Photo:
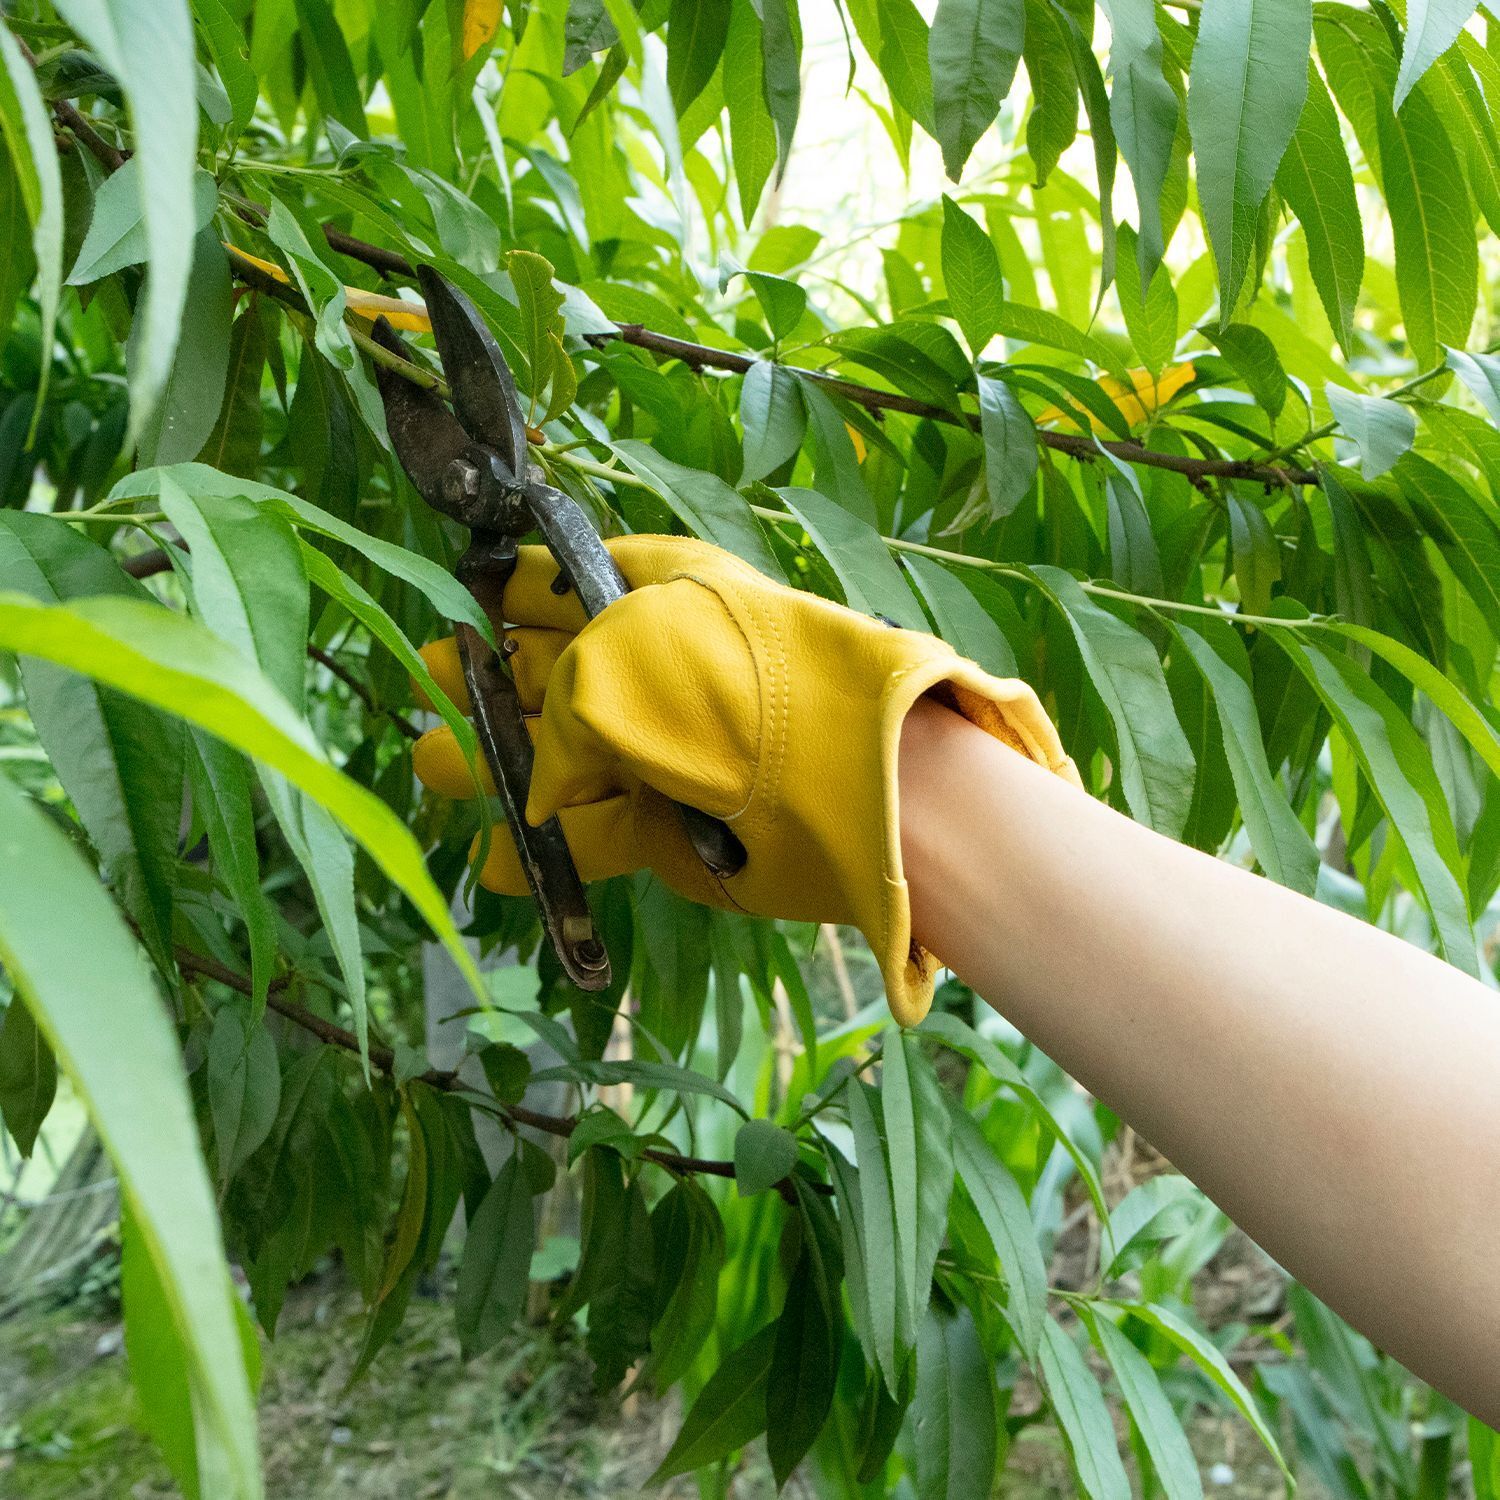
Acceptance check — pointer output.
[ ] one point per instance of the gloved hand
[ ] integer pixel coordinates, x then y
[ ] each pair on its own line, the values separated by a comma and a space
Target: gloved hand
775, 710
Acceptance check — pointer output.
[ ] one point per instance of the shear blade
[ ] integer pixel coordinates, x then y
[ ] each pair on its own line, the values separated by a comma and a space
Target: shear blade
484, 392
427, 436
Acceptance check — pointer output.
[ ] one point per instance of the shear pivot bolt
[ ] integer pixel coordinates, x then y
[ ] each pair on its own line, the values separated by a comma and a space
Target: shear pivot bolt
590, 954
460, 482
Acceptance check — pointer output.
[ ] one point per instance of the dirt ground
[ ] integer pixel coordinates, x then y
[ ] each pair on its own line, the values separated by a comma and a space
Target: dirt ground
521, 1423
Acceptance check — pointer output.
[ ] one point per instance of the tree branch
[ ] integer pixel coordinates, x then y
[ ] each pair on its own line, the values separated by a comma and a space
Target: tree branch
392, 263
384, 1059
362, 692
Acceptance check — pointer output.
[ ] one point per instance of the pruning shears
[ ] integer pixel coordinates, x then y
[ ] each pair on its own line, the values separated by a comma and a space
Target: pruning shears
471, 465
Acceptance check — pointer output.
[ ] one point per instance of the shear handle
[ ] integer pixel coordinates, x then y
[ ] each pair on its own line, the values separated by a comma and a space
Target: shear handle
586, 563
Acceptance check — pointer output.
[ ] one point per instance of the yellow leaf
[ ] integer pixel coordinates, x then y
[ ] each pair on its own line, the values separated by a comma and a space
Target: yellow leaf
857, 438
1142, 398
395, 310
368, 305
481, 22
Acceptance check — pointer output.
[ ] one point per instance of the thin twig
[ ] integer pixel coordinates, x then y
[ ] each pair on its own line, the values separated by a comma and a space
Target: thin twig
362, 692
384, 1059
147, 564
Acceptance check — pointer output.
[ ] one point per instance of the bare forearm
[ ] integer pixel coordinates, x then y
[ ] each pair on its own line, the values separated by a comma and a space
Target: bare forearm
1332, 1088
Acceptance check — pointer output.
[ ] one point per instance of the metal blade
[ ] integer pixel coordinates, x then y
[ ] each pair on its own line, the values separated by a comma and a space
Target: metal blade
427, 436
484, 392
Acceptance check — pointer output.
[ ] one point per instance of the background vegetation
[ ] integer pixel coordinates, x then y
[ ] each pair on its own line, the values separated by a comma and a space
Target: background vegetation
1173, 398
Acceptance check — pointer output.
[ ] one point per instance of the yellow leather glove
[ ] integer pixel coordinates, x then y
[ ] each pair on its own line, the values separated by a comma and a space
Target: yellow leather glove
775, 710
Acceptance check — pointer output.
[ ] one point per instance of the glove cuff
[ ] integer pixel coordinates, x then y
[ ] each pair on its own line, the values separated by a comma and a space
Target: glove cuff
1004, 707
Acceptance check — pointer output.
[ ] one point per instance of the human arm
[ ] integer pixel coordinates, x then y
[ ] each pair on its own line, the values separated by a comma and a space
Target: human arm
1333, 1089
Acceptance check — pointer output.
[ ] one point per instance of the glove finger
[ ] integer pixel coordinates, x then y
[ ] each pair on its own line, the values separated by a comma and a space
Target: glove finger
531, 597
530, 664
440, 766
601, 836
614, 837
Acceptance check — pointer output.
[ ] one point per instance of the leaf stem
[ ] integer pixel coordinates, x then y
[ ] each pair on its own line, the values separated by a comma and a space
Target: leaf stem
1009, 570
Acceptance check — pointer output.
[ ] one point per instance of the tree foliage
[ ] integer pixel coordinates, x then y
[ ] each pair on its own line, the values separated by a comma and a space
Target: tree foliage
1176, 401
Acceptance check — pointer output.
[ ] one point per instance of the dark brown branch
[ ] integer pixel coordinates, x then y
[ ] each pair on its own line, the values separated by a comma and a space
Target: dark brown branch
384, 1059
111, 158
1076, 445
147, 564
362, 692
392, 263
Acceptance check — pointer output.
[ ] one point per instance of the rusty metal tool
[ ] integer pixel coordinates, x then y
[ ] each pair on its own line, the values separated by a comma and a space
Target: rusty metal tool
471, 465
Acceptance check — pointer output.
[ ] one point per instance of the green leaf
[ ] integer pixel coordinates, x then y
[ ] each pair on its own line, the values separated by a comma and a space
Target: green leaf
1157, 1209
1155, 762
919, 1137
773, 418
1143, 109
972, 51
1078, 1404
95, 1005
730, 1410
860, 560
1399, 769
1432, 26
1481, 373
102, 746
316, 281
959, 617
226, 45
1052, 125
953, 1413
946, 1028
902, 56
493, 1276
836, 467
1255, 550
1010, 446
221, 800
890, 1313
233, 446
805, 1359
1255, 361
1152, 1414
117, 229
1484, 1458
541, 313
28, 1075
1004, 1214
1034, 325
752, 133
703, 503
1462, 526
1150, 313
1381, 429
1432, 221
449, 597
1245, 93
1317, 182
971, 273
695, 40
1281, 843
28, 133
1207, 1357
148, 46
176, 664
1134, 560
764, 1154
781, 300
688, 1237
329, 66
244, 1086
1460, 712
193, 392
781, 80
